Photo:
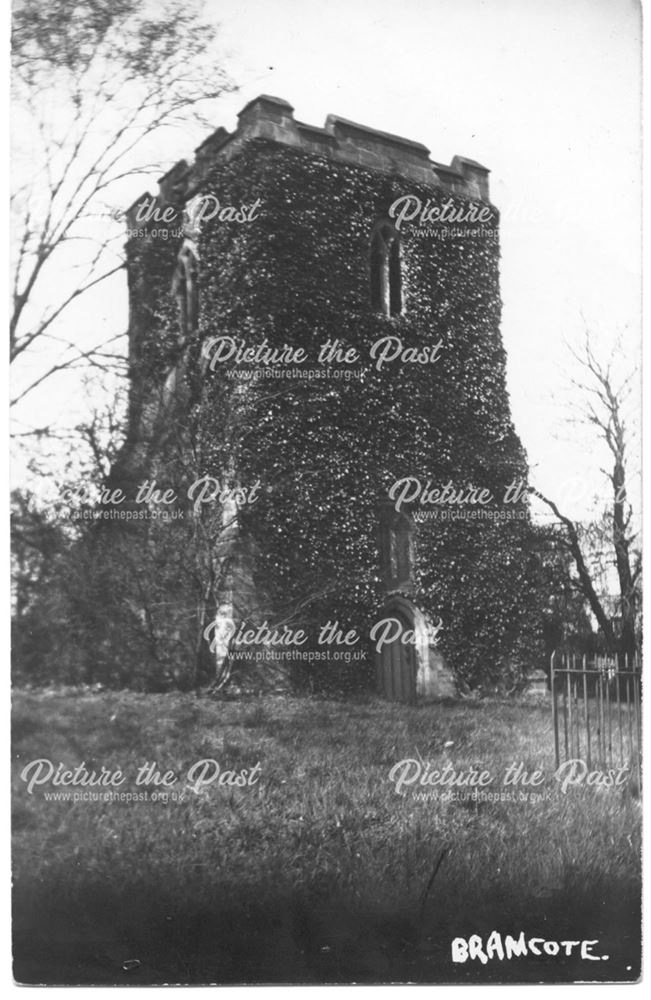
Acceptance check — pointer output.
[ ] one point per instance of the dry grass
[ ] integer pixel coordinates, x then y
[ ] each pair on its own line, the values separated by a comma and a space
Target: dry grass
316, 873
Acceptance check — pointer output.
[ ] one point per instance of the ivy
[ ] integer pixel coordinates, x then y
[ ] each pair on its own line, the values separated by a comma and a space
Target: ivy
327, 451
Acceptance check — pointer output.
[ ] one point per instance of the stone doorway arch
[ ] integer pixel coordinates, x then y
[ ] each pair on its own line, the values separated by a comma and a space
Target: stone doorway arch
415, 671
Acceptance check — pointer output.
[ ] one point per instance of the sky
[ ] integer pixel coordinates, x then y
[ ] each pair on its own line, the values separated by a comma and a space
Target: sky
545, 93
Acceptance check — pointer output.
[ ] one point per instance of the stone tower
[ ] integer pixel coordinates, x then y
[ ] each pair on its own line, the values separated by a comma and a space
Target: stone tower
315, 325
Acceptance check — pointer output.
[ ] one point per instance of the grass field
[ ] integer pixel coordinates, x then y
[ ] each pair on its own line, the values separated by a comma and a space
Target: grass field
318, 871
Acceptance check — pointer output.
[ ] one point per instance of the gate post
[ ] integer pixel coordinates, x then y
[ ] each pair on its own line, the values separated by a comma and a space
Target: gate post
554, 712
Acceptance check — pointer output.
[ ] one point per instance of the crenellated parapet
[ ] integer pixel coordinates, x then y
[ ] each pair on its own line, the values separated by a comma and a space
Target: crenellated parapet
341, 140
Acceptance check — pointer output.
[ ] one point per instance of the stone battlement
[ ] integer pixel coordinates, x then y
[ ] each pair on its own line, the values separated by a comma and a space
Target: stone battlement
341, 140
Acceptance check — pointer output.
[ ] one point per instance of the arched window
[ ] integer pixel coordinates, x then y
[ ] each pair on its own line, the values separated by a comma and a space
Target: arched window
185, 288
397, 549
386, 278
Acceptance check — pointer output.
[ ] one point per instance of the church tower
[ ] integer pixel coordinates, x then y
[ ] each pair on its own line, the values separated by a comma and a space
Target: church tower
315, 325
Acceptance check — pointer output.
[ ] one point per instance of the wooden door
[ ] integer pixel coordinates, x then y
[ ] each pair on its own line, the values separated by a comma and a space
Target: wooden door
395, 667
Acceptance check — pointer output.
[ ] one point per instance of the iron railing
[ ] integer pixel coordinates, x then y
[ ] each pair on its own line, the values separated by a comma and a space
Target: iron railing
596, 710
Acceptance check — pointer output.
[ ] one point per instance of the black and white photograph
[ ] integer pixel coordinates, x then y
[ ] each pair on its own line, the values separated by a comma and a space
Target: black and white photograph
325, 434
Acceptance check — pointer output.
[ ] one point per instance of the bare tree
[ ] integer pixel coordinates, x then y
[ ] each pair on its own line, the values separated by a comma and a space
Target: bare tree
603, 401
97, 86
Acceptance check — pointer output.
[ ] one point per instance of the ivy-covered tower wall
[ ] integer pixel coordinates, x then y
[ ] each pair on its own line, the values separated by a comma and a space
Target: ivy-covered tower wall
413, 388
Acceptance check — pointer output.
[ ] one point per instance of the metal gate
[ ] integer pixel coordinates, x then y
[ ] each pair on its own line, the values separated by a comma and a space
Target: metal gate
596, 710
395, 668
